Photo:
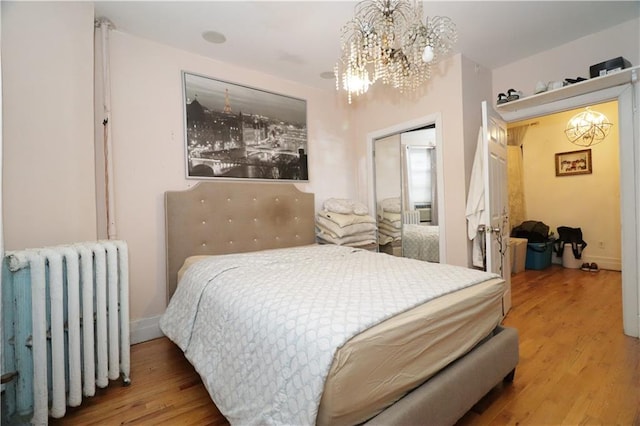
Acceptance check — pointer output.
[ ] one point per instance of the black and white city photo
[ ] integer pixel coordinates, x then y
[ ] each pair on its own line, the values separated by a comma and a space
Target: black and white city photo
234, 131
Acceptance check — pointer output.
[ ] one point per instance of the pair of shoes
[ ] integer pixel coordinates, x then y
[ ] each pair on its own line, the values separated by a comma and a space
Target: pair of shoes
593, 267
573, 80
585, 267
511, 95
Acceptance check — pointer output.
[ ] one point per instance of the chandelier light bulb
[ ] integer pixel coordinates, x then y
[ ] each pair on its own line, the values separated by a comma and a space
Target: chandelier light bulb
427, 55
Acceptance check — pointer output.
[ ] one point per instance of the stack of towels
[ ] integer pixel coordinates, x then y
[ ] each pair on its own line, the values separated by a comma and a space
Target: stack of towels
345, 222
389, 221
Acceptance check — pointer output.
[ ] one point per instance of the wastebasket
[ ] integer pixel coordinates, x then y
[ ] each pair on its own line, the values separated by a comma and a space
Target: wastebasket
538, 255
571, 237
569, 259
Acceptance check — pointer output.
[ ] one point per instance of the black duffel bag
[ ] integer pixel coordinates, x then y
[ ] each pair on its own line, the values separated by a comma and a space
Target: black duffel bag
534, 231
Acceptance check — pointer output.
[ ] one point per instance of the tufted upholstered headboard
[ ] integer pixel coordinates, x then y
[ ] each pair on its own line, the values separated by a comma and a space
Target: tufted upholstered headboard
234, 217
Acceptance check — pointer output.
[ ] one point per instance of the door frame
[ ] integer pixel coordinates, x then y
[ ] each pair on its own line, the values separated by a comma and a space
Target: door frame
629, 136
435, 118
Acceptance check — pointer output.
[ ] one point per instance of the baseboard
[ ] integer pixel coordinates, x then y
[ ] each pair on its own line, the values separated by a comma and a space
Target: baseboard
608, 263
145, 329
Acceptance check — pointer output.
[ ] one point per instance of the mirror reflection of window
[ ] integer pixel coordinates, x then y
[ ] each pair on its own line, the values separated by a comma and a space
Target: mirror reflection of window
419, 176
420, 233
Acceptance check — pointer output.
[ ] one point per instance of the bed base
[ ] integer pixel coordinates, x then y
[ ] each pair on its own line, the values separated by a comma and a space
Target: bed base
448, 395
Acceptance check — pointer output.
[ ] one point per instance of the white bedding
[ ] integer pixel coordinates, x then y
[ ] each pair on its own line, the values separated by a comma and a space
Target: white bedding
262, 328
421, 242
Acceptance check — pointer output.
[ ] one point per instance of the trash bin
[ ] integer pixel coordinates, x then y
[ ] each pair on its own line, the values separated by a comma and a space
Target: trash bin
570, 246
569, 259
539, 255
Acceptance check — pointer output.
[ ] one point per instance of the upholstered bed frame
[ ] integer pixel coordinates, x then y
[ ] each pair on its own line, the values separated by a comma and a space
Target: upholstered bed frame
231, 217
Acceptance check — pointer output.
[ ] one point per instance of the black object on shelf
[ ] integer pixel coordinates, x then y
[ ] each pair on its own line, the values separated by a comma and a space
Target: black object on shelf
608, 67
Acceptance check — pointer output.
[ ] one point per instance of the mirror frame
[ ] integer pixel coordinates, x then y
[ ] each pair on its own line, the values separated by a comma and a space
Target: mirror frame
403, 127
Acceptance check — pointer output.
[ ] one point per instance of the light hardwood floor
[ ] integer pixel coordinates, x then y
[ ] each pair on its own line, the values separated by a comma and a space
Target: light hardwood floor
576, 366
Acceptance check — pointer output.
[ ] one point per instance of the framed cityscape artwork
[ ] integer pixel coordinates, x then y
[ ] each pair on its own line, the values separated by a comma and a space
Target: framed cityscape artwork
238, 132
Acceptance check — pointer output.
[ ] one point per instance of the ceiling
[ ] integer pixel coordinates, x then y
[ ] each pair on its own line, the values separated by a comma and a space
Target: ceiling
299, 40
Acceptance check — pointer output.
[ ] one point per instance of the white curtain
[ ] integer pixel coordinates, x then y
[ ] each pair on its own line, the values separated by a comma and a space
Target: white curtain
517, 207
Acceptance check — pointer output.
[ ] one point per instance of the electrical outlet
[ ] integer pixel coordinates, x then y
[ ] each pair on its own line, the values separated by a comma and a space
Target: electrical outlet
601, 244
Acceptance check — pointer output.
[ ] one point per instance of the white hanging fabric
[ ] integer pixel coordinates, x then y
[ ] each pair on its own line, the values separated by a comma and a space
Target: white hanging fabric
475, 205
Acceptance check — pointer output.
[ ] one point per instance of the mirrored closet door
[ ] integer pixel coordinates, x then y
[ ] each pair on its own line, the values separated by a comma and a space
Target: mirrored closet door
405, 179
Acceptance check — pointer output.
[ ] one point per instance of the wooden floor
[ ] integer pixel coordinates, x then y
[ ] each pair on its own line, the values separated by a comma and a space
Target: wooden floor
576, 366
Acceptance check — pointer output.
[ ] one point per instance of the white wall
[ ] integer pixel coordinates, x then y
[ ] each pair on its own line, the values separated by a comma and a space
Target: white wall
49, 192
590, 201
149, 150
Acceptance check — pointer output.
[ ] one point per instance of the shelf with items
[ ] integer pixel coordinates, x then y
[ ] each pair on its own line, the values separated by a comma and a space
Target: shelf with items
587, 86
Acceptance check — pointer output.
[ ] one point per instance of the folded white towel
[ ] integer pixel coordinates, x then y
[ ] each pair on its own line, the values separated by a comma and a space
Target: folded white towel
345, 206
338, 231
343, 220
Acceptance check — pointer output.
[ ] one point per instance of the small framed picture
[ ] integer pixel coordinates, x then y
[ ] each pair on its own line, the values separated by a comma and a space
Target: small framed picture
573, 163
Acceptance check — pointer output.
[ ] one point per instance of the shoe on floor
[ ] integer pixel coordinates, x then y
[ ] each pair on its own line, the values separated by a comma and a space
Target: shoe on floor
585, 267
593, 267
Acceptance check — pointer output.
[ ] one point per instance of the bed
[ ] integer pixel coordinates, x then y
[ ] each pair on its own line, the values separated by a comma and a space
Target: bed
269, 229
421, 242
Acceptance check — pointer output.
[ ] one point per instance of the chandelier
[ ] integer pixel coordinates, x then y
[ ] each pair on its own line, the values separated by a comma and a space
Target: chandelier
587, 128
387, 40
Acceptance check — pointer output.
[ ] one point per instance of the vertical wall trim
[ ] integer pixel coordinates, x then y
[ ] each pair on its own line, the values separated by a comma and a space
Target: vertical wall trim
1, 208
105, 25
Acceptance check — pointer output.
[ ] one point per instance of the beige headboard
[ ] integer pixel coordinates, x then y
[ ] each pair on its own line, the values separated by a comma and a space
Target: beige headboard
234, 217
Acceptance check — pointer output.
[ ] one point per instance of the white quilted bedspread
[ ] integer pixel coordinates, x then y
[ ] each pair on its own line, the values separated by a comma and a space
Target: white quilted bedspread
262, 328
421, 242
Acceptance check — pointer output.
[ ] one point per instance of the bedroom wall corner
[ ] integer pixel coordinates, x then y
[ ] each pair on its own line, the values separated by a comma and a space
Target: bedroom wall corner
144, 329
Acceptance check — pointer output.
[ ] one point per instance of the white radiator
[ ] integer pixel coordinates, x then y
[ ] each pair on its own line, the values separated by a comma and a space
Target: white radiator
411, 217
65, 322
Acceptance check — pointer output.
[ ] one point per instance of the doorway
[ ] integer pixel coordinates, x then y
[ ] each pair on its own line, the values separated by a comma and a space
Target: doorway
623, 87
588, 199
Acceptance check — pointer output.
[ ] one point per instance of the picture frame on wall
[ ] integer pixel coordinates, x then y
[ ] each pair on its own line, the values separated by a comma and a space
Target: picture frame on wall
239, 132
573, 163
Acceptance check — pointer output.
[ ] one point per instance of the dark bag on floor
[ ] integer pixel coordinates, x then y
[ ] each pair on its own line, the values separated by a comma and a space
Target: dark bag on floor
573, 236
534, 231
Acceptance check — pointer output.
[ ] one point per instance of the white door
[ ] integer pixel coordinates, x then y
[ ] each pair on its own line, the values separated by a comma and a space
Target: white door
496, 218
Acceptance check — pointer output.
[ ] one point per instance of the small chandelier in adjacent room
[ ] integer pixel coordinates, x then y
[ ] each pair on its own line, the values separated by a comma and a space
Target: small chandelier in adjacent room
587, 128
387, 40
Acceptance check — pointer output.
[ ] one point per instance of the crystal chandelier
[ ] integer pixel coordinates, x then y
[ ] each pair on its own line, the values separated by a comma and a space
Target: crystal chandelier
587, 128
387, 40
